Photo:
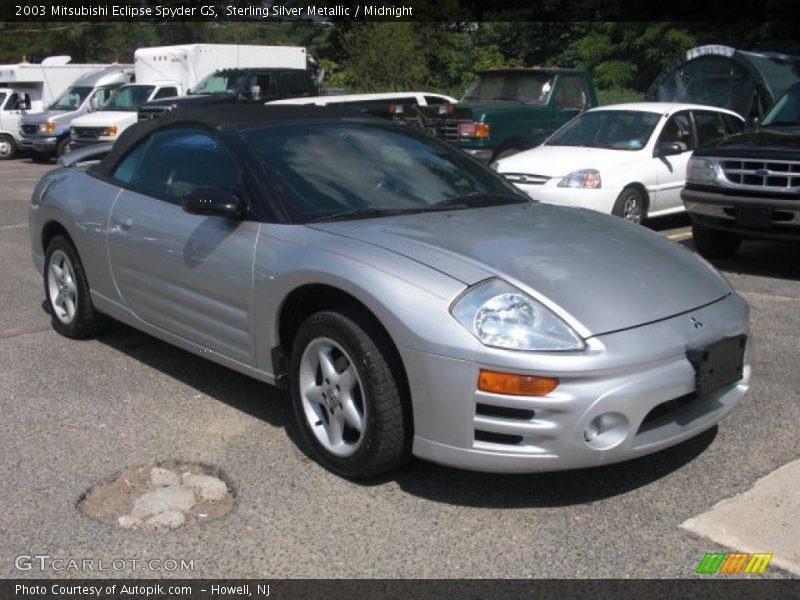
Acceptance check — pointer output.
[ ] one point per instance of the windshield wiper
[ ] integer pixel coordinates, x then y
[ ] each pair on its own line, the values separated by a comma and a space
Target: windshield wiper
477, 200
365, 213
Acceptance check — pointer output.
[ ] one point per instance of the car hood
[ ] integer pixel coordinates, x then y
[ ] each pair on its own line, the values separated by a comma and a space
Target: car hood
54, 116
482, 107
558, 161
765, 142
604, 273
199, 100
105, 118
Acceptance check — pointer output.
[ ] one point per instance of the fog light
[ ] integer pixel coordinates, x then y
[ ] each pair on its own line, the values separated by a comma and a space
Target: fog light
606, 431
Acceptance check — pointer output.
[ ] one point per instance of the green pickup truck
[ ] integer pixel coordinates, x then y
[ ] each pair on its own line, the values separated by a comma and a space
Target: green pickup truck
507, 110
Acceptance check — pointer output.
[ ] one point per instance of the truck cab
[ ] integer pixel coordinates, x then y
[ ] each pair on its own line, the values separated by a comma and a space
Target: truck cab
47, 133
106, 123
230, 86
508, 110
11, 103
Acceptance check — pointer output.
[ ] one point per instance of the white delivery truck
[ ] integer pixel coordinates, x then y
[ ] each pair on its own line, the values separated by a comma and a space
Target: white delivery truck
168, 72
33, 86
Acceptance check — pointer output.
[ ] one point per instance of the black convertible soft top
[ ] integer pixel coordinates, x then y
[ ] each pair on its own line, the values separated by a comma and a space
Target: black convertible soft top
224, 116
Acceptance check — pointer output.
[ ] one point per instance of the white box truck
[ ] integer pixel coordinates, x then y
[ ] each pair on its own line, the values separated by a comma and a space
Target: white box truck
161, 72
35, 86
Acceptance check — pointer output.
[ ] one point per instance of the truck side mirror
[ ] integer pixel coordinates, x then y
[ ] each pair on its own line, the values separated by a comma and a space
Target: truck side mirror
255, 93
94, 103
25, 102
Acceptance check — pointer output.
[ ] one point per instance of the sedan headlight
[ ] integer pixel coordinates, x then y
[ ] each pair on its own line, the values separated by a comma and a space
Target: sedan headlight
701, 170
585, 178
503, 316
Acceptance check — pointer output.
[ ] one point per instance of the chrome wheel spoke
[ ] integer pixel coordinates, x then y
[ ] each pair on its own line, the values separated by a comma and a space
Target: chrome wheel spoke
335, 430
347, 379
351, 415
326, 364
314, 394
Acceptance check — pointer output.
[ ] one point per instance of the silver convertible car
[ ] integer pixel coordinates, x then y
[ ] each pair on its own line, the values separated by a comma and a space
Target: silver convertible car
411, 299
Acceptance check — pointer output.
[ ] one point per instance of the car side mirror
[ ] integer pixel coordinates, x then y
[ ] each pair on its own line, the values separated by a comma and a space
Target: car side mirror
94, 103
669, 149
25, 102
214, 202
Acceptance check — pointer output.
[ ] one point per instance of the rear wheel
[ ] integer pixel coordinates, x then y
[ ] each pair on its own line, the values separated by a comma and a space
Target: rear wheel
67, 291
713, 243
347, 400
630, 206
8, 147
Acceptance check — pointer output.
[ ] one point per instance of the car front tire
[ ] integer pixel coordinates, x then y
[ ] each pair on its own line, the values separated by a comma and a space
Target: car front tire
713, 243
630, 205
347, 399
8, 147
67, 291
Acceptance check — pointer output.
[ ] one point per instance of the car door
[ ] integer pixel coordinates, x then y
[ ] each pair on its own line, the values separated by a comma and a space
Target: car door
190, 275
671, 169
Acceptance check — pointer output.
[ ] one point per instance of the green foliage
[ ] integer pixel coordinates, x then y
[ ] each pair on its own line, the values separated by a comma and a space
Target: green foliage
619, 95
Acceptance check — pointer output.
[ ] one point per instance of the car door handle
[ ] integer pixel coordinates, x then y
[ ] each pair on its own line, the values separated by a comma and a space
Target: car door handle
121, 222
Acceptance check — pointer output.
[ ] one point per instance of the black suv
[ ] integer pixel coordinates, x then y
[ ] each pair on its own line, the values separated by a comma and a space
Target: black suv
237, 85
747, 186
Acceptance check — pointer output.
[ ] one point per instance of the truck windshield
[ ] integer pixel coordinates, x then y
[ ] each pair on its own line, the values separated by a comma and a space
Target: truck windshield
129, 97
786, 110
221, 82
71, 99
510, 87
611, 129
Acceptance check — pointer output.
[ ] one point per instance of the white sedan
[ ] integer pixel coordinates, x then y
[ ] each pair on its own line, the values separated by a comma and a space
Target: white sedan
628, 160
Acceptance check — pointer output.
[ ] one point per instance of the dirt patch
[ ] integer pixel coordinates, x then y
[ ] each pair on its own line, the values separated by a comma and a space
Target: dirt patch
163, 496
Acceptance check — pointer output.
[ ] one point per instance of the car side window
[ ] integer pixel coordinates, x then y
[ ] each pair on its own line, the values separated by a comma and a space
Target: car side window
103, 94
710, 127
13, 102
571, 92
678, 130
732, 124
433, 100
166, 92
125, 169
179, 161
266, 83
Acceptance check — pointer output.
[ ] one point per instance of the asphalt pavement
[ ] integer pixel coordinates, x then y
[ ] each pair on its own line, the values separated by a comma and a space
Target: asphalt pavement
75, 414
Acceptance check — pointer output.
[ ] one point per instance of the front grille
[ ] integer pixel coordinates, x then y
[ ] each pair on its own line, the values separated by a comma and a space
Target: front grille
30, 129
526, 178
762, 174
88, 133
444, 129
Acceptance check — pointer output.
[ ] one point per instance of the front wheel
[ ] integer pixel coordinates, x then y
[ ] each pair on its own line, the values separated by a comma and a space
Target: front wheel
8, 147
67, 291
713, 243
630, 206
347, 400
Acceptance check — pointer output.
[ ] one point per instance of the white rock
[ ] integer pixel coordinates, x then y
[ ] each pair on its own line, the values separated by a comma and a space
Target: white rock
164, 499
129, 522
160, 477
206, 486
170, 519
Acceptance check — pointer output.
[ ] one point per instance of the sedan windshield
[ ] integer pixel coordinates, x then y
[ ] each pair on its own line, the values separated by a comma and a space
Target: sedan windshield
71, 99
221, 82
510, 87
129, 97
786, 111
334, 171
611, 129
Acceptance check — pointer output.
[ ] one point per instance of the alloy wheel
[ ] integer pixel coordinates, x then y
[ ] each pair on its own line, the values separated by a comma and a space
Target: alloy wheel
62, 287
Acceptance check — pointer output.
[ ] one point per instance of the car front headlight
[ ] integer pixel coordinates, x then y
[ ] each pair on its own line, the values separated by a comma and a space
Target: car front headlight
503, 316
47, 127
701, 170
585, 178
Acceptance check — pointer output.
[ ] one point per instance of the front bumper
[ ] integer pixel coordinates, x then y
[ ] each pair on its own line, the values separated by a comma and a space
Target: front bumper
76, 144
602, 199
718, 211
42, 144
627, 374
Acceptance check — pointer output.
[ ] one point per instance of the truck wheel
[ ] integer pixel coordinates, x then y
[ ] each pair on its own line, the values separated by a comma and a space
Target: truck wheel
8, 147
39, 157
347, 401
630, 206
62, 147
713, 243
67, 291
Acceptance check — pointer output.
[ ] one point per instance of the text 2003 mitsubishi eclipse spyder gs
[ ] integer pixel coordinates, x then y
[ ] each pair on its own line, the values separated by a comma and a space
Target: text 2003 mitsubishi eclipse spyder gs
412, 300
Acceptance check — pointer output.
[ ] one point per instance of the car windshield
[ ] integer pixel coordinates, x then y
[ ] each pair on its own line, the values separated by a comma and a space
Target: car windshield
71, 99
221, 82
786, 110
510, 87
129, 97
329, 171
611, 129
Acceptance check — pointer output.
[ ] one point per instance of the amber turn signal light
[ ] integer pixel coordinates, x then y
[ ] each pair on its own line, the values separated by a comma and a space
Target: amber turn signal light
514, 384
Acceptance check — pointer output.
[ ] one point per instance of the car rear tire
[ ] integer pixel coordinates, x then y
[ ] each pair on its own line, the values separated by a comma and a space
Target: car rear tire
67, 291
8, 147
347, 399
713, 243
630, 205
